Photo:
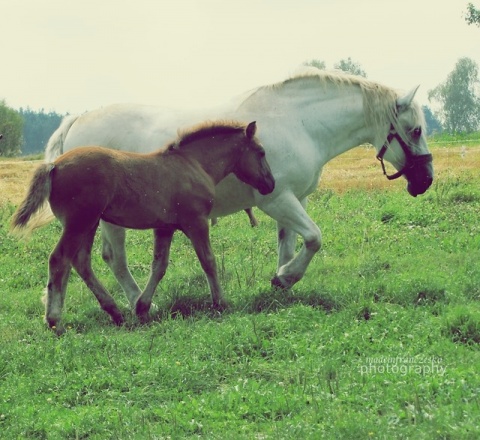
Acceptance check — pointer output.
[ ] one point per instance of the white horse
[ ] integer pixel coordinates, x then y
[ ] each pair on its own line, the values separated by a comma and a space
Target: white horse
303, 123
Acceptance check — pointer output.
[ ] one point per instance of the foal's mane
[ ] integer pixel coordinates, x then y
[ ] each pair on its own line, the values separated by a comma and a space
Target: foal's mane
203, 130
379, 100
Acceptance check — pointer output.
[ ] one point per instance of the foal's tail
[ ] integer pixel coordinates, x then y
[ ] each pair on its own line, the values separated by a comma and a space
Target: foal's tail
55, 143
24, 220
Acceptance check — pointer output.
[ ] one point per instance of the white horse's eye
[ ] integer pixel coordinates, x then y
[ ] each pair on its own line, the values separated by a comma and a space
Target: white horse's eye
417, 132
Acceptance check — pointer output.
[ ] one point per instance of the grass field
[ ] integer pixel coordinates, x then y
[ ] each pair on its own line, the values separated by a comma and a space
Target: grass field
380, 339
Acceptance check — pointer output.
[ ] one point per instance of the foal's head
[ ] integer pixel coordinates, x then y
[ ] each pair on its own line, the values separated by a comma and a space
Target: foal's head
251, 166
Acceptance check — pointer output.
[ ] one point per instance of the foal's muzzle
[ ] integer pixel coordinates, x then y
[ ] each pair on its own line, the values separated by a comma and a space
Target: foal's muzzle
267, 185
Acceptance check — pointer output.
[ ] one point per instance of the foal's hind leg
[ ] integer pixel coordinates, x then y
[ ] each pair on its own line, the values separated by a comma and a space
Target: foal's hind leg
60, 265
163, 241
82, 264
198, 235
114, 255
59, 268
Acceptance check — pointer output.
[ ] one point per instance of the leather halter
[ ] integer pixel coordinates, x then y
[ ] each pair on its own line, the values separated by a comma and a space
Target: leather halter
411, 160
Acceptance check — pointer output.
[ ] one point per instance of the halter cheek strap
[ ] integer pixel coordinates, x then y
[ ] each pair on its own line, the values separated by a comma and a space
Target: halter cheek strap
411, 160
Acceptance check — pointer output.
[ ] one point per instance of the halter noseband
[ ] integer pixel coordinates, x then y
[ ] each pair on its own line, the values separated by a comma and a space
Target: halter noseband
411, 160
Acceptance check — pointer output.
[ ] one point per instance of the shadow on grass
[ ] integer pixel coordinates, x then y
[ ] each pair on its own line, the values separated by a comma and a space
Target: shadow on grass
199, 307
462, 325
276, 299
187, 306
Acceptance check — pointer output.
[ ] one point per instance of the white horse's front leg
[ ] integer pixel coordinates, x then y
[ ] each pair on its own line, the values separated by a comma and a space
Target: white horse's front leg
286, 240
113, 253
292, 218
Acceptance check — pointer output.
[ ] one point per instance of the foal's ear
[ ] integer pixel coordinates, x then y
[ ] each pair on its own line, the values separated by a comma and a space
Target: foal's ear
251, 129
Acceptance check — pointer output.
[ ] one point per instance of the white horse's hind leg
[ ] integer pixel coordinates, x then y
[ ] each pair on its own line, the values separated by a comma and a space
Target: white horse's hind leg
113, 253
292, 218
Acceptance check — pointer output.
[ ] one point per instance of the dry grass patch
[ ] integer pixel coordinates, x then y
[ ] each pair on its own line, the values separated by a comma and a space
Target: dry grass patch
14, 178
356, 169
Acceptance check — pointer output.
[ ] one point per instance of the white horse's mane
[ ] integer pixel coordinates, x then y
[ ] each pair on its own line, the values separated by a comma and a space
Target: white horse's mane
379, 100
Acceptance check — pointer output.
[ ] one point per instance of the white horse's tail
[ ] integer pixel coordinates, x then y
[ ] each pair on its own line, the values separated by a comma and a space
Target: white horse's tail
55, 143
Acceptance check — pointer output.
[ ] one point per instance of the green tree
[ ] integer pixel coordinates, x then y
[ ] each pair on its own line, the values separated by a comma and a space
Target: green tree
458, 98
473, 15
433, 124
319, 64
350, 66
11, 125
37, 129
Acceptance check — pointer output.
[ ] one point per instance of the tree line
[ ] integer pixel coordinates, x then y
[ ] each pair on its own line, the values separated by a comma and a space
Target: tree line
37, 129
25, 131
456, 104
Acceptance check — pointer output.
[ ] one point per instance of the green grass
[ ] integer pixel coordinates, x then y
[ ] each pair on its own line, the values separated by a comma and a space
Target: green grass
36, 156
379, 340
455, 139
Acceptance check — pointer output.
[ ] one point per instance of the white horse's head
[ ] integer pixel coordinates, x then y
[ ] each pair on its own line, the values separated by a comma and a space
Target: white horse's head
406, 145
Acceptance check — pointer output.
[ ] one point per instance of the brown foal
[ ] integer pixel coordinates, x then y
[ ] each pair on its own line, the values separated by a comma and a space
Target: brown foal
173, 188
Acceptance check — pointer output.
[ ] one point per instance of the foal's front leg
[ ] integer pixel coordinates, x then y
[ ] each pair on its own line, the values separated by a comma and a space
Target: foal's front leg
161, 252
199, 236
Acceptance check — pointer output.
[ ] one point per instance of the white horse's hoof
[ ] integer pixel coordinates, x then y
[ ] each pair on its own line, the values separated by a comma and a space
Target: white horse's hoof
277, 283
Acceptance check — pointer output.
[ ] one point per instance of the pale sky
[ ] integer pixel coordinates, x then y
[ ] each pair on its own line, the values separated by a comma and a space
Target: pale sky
73, 56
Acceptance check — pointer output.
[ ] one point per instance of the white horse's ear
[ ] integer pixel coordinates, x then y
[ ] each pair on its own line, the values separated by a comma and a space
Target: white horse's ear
251, 130
404, 102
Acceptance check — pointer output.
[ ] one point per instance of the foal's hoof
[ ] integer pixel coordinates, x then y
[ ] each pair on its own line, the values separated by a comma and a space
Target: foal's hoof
220, 306
55, 326
141, 310
58, 330
143, 318
118, 319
